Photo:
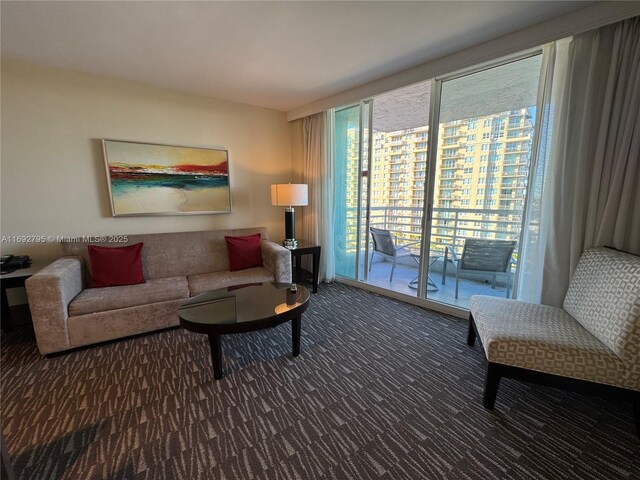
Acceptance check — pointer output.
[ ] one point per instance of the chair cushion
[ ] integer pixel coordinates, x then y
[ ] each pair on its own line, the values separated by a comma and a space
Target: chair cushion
542, 338
95, 300
212, 281
604, 296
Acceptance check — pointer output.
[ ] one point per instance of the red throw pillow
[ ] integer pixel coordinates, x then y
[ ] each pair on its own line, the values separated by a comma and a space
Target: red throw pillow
244, 252
113, 266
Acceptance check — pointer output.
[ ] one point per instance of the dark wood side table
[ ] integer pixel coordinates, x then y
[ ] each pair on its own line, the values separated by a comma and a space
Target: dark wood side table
306, 248
14, 279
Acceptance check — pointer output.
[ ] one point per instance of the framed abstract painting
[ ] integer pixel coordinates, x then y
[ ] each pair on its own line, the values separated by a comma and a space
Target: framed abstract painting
150, 179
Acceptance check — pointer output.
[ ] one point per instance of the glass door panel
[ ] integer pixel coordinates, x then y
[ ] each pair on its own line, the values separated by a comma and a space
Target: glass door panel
347, 174
477, 189
397, 176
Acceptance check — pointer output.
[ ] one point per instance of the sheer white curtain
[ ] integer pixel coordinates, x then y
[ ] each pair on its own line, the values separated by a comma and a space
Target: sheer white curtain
317, 173
555, 57
588, 157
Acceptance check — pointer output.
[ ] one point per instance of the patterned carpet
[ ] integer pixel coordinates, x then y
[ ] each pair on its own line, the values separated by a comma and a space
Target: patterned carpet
382, 390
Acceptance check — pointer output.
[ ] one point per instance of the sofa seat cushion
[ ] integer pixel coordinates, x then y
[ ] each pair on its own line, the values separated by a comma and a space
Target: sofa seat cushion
93, 300
212, 281
542, 338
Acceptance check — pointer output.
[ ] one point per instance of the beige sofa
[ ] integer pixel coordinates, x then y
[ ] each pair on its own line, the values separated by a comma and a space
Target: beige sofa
66, 314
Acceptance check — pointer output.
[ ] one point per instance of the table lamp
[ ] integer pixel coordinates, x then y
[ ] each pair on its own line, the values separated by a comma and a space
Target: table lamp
289, 195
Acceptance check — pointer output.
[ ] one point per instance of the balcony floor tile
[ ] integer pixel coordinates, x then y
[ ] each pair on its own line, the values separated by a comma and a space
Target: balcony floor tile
379, 276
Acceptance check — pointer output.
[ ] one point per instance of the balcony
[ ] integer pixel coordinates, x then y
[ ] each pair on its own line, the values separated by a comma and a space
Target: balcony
453, 133
404, 275
451, 226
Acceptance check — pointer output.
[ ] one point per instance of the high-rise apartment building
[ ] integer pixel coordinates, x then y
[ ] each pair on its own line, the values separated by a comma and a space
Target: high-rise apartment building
480, 178
398, 178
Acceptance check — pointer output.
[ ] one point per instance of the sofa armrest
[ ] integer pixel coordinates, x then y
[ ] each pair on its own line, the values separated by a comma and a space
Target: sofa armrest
49, 292
277, 260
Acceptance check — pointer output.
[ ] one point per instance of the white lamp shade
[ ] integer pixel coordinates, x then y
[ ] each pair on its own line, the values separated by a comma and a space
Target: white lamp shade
289, 194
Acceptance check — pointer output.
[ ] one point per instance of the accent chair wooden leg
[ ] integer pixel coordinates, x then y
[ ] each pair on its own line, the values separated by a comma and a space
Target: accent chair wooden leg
491, 383
393, 267
471, 334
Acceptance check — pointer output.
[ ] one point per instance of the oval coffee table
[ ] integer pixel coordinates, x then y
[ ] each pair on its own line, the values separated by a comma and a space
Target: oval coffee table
244, 308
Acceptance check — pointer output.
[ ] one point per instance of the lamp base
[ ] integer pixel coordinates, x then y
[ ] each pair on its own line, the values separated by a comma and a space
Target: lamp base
290, 243
290, 229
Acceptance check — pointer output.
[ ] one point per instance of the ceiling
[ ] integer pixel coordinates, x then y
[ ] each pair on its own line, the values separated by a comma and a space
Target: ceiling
280, 55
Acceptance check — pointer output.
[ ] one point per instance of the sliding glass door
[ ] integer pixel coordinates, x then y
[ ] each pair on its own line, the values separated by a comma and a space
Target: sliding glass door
478, 184
400, 138
430, 192
352, 147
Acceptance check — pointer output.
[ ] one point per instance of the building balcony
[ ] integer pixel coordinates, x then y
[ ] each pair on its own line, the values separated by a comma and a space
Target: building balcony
459, 133
451, 227
404, 275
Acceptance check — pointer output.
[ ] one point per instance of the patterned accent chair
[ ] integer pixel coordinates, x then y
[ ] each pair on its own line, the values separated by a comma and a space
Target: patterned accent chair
592, 344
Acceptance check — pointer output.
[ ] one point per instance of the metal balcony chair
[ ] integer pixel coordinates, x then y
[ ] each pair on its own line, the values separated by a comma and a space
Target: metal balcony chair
485, 257
384, 246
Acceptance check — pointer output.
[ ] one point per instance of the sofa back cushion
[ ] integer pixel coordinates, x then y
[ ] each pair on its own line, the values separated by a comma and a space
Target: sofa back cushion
244, 252
116, 266
604, 296
174, 254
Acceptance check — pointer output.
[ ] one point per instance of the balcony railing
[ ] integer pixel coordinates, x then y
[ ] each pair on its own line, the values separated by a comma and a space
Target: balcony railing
450, 226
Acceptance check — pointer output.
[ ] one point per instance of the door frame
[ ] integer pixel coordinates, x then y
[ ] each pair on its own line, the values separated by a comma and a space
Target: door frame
427, 205
421, 299
369, 103
432, 158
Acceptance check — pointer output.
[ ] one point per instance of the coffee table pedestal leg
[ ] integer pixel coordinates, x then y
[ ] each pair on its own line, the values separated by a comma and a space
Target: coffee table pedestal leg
295, 335
216, 355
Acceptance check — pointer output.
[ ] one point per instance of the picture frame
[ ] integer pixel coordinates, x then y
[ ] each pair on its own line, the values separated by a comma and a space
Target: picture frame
162, 179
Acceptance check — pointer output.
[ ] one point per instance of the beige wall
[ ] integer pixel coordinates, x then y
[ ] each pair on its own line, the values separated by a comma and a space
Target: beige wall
52, 170
53, 176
